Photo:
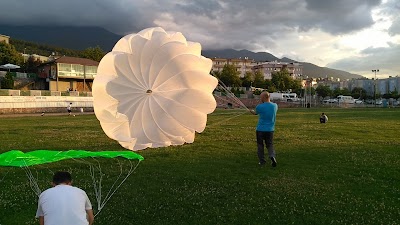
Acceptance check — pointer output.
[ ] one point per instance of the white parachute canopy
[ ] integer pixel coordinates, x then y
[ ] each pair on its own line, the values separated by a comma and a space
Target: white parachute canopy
153, 90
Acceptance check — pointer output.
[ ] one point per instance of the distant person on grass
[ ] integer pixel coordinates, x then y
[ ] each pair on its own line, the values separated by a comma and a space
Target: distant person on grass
323, 118
63, 204
69, 108
266, 112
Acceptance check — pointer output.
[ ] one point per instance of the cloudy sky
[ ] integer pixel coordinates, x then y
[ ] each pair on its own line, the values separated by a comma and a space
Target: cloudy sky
352, 35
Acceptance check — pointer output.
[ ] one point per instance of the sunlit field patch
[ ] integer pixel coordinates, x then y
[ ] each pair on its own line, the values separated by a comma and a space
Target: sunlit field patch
343, 172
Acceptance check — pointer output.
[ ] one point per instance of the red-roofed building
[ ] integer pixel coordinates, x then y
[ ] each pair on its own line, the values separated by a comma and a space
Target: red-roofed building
68, 73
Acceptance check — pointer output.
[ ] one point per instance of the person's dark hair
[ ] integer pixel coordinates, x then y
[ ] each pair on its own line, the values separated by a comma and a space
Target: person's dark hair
62, 177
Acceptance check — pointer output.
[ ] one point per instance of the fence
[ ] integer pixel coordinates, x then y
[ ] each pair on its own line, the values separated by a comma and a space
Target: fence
9, 92
23, 102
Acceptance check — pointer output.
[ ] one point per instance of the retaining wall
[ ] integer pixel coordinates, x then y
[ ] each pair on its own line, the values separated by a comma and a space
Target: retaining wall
49, 104
36, 104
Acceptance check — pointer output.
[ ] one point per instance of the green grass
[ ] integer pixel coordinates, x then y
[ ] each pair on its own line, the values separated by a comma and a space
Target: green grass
342, 172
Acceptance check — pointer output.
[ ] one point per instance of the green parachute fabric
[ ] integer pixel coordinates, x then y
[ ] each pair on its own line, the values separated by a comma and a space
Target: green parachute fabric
20, 159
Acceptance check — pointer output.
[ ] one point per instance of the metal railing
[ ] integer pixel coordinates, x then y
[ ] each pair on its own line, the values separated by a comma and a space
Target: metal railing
11, 92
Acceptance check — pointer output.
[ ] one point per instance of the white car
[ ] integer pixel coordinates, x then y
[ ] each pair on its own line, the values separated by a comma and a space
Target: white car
332, 100
359, 101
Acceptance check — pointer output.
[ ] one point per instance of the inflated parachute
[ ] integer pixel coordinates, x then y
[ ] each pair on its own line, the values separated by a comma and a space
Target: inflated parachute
153, 90
31, 159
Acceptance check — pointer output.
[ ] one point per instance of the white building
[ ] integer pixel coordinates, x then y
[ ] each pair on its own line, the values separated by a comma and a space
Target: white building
268, 68
242, 65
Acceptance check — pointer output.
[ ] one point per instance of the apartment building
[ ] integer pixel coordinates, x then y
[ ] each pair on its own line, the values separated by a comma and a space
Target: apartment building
268, 68
241, 65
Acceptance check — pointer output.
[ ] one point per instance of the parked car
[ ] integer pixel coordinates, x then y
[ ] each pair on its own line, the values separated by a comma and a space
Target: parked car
378, 102
359, 101
332, 100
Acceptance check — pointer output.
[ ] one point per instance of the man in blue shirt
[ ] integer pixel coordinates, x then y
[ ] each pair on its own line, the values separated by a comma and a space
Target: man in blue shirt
266, 112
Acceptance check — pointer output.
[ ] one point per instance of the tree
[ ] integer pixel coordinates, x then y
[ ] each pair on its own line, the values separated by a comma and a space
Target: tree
323, 91
229, 76
259, 81
95, 53
359, 93
295, 84
282, 81
310, 90
393, 94
30, 66
7, 82
42, 49
339, 91
346, 91
248, 79
8, 54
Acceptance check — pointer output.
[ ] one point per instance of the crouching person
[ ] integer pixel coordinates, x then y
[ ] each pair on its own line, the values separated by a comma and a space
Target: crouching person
323, 118
64, 204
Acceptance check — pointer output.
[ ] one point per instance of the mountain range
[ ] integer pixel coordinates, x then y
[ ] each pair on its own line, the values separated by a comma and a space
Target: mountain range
79, 38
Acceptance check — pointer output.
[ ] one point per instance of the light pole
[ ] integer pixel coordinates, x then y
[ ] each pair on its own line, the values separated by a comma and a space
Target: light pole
24, 61
245, 59
375, 71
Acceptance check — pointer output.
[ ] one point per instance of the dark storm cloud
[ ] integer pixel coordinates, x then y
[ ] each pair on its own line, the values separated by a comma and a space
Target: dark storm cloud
331, 16
340, 16
237, 24
112, 15
200, 7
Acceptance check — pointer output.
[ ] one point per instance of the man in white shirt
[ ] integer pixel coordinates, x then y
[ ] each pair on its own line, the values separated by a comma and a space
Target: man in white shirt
69, 109
64, 204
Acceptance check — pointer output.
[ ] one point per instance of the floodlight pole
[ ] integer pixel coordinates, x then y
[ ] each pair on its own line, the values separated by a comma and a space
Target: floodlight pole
375, 71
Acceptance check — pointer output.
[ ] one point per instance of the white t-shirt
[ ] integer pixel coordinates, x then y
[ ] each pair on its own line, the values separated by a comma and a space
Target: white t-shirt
64, 205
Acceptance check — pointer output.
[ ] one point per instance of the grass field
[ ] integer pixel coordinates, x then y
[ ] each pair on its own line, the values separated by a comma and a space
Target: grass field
343, 172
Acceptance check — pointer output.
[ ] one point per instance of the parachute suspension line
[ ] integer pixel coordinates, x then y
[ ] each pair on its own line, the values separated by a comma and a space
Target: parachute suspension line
236, 99
223, 99
131, 170
233, 98
33, 181
118, 177
96, 183
225, 120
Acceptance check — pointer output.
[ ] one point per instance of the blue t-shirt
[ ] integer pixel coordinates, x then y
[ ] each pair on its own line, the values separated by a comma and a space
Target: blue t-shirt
266, 116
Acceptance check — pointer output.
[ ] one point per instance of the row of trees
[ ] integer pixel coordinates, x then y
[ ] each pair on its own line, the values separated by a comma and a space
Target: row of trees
281, 80
357, 92
94, 53
8, 54
11, 53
